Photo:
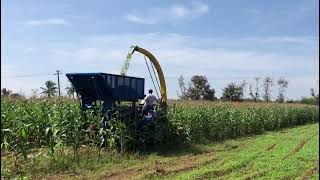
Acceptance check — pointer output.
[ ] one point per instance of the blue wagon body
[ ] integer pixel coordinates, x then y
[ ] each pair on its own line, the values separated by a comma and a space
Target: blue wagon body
106, 87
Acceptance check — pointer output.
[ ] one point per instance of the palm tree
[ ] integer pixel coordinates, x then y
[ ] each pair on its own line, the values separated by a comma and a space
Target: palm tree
50, 90
5, 92
70, 91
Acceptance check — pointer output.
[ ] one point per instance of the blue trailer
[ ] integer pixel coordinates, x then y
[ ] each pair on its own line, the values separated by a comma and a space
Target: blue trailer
106, 88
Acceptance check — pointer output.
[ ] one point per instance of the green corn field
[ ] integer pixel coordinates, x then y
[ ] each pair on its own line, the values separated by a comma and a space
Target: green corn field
34, 131
217, 121
58, 123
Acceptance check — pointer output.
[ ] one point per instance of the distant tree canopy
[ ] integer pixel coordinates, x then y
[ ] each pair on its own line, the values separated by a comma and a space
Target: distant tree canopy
5, 92
267, 84
315, 96
70, 91
15, 95
199, 88
8, 93
50, 89
314, 99
283, 84
254, 94
233, 92
182, 87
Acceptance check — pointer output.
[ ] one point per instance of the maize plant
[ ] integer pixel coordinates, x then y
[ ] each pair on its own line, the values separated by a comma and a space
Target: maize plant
60, 123
210, 121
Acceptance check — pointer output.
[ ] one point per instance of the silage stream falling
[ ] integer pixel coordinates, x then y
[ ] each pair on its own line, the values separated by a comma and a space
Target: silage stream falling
125, 66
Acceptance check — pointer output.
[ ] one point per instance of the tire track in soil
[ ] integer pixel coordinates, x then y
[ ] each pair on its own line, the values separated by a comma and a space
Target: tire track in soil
271, 147
64, 176
307, 160
256, 175
260, 173
298, 147
220, 173
310, 172
182, 164
163, 173
245, 164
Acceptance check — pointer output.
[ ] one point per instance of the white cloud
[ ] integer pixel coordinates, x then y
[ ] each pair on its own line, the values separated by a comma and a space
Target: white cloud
180, 54
178, 50
174, 13
140, 20
187, 55
284, 39
54, 21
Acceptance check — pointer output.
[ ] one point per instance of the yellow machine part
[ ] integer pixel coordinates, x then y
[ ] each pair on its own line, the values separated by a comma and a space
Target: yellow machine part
156, 64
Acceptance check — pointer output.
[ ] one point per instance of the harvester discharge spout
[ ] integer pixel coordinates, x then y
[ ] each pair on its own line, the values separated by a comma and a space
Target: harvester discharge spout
155, 63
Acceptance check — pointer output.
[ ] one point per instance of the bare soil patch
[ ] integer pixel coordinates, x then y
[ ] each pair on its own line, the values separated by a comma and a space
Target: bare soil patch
310, 172
165, 168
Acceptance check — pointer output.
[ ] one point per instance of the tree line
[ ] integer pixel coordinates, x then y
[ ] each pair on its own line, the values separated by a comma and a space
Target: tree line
49, 90
199, 89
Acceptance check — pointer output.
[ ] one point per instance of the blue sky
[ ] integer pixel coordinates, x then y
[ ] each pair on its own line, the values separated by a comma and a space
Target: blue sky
228, 41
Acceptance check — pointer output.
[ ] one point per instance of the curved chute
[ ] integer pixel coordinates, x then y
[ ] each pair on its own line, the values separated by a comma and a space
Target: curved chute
156, 64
